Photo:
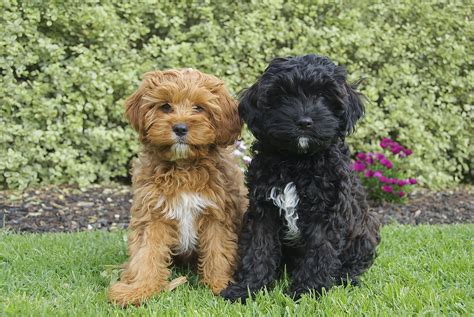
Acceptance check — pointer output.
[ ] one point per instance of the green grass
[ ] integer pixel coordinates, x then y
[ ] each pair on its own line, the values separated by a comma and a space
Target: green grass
420, 270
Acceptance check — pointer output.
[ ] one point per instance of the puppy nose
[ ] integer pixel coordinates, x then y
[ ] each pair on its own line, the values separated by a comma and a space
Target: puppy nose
305, 123
180, 129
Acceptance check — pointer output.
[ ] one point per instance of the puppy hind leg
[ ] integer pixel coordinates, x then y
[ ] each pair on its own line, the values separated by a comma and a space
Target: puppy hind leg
357, 258
146, 272
260, 253
359, 254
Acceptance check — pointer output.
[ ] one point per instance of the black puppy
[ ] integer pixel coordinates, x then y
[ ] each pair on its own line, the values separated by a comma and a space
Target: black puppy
307, 208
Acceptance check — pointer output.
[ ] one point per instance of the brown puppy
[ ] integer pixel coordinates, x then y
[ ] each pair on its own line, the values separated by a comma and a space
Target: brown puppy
189, 195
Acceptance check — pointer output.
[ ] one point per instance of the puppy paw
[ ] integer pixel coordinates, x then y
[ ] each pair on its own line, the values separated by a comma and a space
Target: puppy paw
295, 292
123, 294
217, 286
349, 281
235, 293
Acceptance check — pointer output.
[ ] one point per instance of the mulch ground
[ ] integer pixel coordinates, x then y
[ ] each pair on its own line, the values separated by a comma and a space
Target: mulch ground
63, 209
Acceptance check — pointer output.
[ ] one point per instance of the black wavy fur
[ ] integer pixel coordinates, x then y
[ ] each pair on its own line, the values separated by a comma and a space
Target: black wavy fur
306, 96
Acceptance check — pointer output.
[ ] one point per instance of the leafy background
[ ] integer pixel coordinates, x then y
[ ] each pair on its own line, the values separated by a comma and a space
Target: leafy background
67, 67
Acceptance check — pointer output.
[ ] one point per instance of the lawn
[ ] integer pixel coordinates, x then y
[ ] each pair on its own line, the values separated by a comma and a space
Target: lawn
419, 270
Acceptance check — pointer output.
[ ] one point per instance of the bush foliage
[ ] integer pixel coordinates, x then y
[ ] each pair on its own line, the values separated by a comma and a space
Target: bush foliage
68, 65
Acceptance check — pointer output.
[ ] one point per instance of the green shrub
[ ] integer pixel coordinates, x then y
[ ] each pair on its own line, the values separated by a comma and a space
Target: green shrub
67, 67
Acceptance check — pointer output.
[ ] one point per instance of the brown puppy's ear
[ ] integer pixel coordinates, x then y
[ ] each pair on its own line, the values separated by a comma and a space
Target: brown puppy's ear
133, 103
227, 121
132, 108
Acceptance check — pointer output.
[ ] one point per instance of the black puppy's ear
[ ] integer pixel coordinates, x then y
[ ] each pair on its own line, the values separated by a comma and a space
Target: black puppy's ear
278, 61
354, 106
249, 109
248, 99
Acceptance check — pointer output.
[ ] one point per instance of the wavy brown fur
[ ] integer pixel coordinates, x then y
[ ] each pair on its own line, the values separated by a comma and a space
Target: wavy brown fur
162, 180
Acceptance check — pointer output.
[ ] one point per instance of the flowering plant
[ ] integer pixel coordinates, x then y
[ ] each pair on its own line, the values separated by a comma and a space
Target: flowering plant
381, 174
241, 152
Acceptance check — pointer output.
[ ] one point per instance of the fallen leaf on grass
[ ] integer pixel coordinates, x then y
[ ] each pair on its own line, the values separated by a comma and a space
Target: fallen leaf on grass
175, 283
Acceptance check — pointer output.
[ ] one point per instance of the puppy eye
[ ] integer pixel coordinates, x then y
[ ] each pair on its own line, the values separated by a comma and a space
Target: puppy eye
198, 108
166, 108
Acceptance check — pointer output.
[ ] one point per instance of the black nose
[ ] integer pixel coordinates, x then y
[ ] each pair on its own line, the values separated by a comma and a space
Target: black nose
305, 123
180, 129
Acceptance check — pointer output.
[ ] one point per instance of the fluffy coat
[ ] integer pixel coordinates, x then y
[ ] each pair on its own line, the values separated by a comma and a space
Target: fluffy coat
188, 192
307, 209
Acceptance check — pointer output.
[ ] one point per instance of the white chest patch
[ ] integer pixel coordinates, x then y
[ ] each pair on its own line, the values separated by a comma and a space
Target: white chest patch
303, 143
287, 201
179, 151
185, 209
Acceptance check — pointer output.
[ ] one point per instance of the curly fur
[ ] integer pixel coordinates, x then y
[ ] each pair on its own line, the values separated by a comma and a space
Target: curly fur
189, 196
300, 111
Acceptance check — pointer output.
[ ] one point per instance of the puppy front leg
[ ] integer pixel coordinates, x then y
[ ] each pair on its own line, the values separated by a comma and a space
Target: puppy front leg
146, 272
315, 270
260, 252
218, 253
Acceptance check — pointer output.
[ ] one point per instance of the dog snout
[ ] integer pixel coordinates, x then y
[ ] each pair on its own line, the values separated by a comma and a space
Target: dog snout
180, 129
305, 123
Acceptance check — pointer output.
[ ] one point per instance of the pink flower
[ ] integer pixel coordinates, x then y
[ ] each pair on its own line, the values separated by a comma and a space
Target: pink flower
402, 182
408, 152
412, 181
369, 160
379, 156
237, 153
393, 181
394, 143
378, 174
387, 188
396, 149
384, 179
358, 166
369, 173
361, 156
401, 193
247, 159
385, 162
242, 146
386, 142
